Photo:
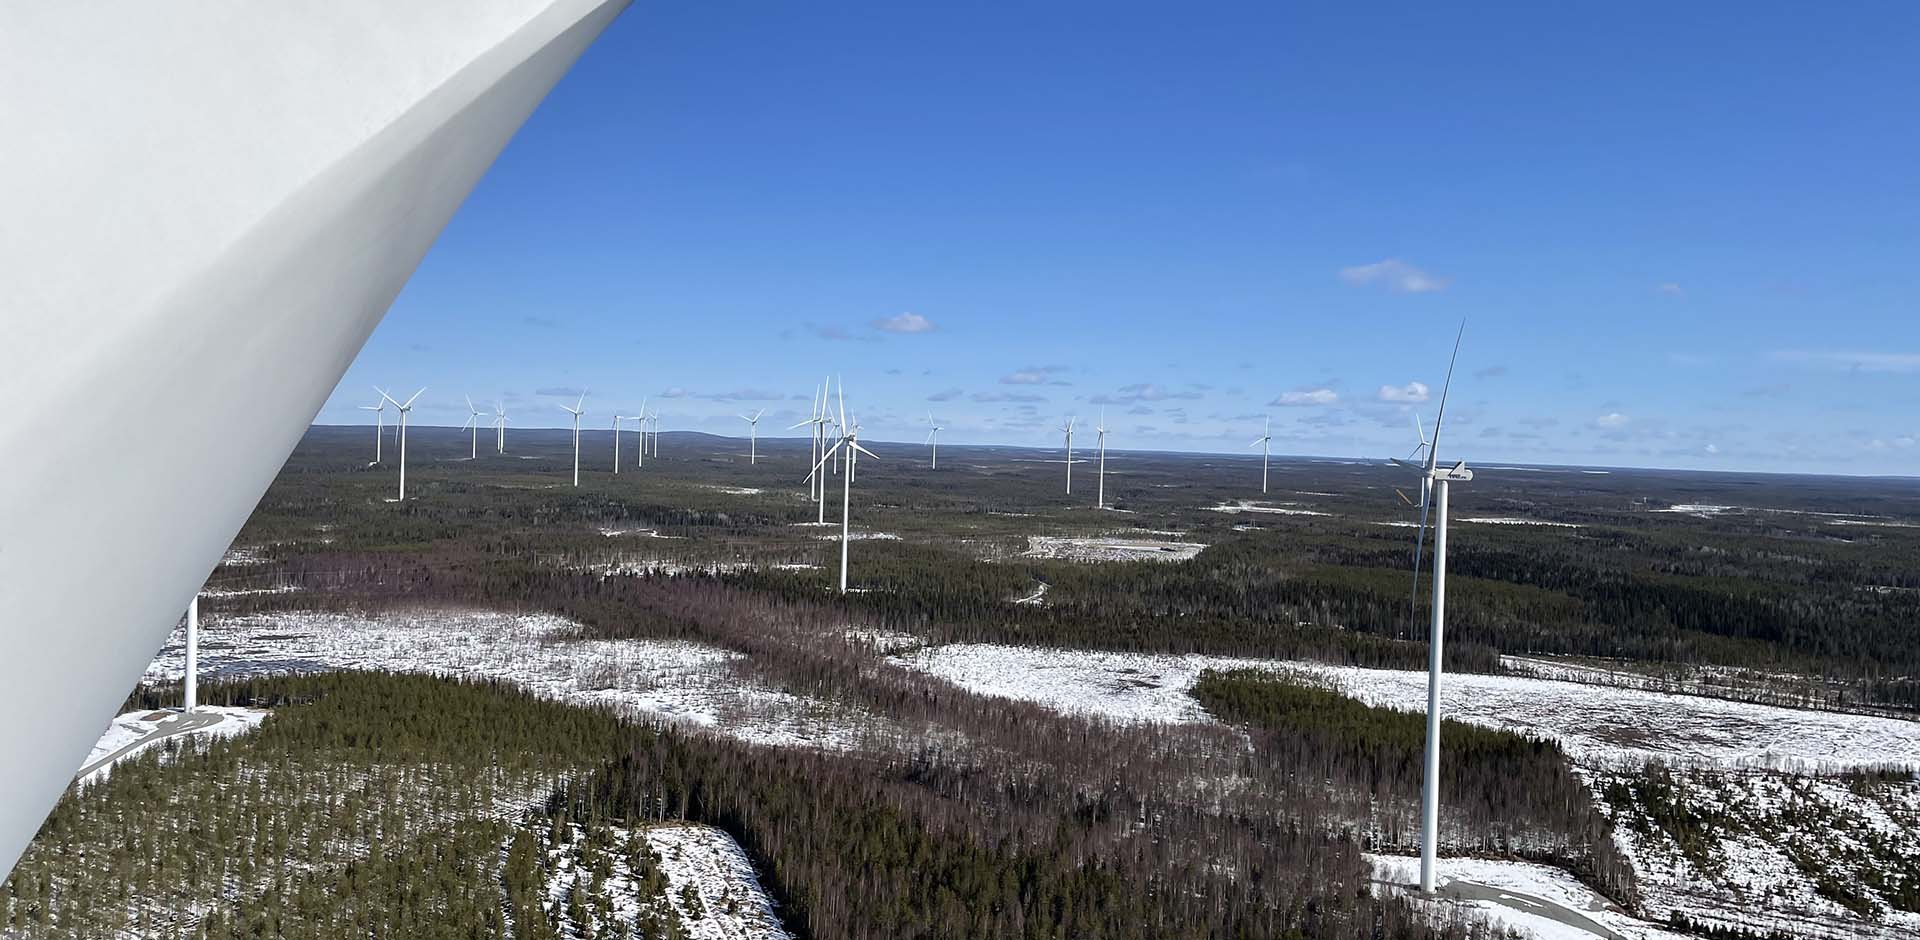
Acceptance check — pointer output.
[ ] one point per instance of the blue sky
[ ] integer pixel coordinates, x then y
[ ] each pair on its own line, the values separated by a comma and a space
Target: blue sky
1680, 235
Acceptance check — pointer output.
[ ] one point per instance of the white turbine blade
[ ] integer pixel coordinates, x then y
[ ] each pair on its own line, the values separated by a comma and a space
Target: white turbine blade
1433, 445
800, 425
580, 405
416, 395
843, 403
823, 461
470, 408
862, 450
371, 407
383, 394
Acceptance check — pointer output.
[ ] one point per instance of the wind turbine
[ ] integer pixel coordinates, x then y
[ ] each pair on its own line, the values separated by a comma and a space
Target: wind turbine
933, 439
577, 410
616, 442
379, 426
403, 436
640, 462
1434, 480
473, 424
850, 441
1100, 502
812, 424
1265, 442
753, 436
1068, 429
656, 434
499, 428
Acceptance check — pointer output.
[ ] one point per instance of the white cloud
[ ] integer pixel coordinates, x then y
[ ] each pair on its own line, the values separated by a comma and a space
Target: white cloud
1713, 449
1858, 361
1612, 419
1310, 396
904, 323
1410, 392
1670, 289
1395, 275
1035, 375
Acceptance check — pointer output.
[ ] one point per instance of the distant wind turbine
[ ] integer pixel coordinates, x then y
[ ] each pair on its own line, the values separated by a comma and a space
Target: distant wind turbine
640, 459
812, 424
499, 428
1265, 443
1068, 429
473, 424
577, 410
1100, 502
655, 417
616, 442
933, 439
1434, 481
850, 441
753, 436
403, 436
379, 427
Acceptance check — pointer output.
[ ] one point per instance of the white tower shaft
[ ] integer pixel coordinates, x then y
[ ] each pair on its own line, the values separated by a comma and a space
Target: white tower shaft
846, 523
1430, 786
191, 698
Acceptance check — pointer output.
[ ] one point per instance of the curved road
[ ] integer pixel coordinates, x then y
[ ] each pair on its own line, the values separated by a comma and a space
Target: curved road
166, 728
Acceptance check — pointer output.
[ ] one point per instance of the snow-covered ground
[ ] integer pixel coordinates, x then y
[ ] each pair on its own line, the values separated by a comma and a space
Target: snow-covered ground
674, 680
1780, 843
1284, 509
731, 904
1110, 549
1758, 876
1527, 881
1518, 520
1599, 725
132, 726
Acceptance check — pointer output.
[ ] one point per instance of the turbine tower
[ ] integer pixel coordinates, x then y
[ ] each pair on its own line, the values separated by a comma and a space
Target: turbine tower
577, 410
812, 424
933, 439
1068, 430
379, 427
1434, 480
616, 442
1265, 443
753, 436
403, 437
1100, 501
190, 695
499, 428
473, 424
640, 460
851, 441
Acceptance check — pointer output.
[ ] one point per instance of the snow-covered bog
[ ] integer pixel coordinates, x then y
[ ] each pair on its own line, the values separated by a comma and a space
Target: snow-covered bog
688, 683
1598, 725
712, 885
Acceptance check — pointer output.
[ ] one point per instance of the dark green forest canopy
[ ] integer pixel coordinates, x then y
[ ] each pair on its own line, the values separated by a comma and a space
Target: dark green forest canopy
919, 845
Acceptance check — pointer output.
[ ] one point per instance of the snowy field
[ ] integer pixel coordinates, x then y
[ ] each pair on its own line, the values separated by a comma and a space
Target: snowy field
1283, 509
1756, 875
1597, 725
1519, 886
673, 680
1110, 549
711, 888
731, 903
132, 726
